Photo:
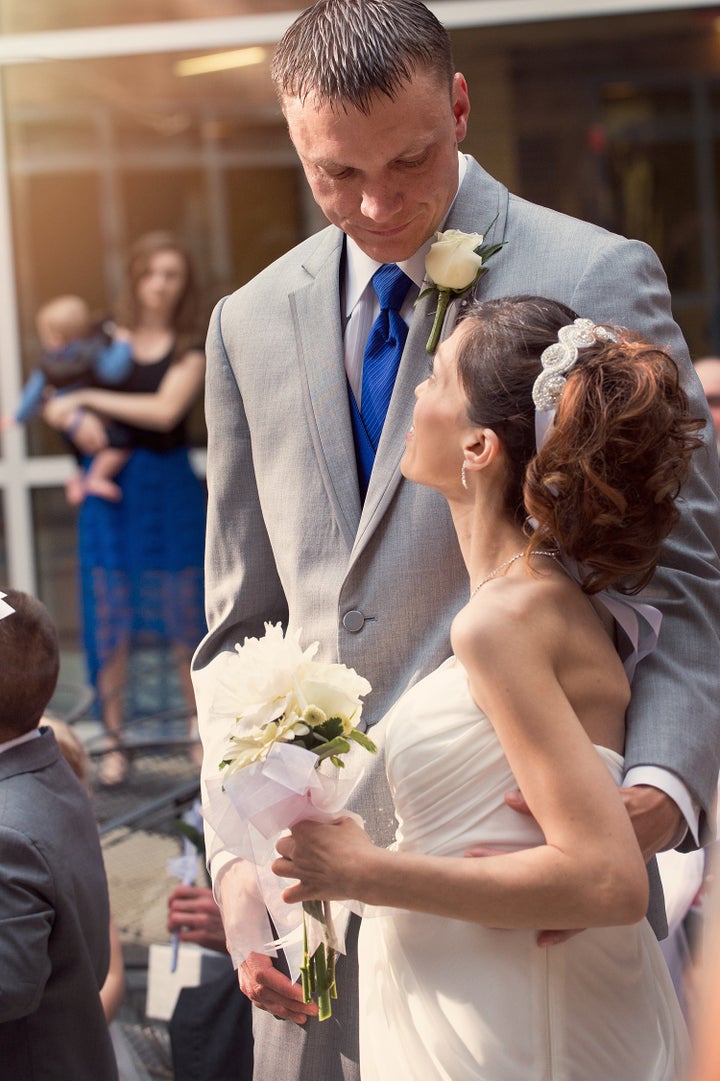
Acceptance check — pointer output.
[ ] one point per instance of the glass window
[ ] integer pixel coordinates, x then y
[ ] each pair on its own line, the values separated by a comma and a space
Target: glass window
56, 228
613, 120
21, 18
54, 525
101, 152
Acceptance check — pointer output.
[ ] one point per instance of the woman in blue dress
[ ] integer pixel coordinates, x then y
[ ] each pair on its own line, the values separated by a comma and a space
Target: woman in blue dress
141, 558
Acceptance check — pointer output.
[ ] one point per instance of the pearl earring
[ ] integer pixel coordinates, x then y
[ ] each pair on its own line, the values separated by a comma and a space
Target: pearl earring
463, 477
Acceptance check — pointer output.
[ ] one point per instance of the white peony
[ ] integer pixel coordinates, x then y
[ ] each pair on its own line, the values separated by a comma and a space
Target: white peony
256, 681
255, 745
272, 691
333, 688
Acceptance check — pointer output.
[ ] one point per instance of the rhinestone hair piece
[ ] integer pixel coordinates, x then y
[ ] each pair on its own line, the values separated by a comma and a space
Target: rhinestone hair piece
556, 360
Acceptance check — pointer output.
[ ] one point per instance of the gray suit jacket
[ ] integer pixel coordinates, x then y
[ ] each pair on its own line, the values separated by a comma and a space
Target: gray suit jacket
289, 540
54, 920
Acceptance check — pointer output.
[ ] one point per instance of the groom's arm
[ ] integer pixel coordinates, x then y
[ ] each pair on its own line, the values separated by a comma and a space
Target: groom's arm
674, 720
656, 818
242, 591
242, 588
674, 717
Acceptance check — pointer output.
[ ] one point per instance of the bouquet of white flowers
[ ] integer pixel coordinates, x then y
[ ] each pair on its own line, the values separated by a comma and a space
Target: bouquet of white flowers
294, 721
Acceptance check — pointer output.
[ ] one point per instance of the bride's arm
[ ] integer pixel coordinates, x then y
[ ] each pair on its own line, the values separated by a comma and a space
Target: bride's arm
159, 411
588, 873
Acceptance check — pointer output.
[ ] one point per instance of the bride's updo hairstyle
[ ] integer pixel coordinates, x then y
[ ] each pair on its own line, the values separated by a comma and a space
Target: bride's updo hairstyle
603, 484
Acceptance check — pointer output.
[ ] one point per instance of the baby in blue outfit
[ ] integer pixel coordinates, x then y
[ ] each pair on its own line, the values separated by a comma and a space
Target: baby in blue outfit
78, 354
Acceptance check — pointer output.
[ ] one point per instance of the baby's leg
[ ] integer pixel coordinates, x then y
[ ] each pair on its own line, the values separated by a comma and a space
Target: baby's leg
105, 465
75, 489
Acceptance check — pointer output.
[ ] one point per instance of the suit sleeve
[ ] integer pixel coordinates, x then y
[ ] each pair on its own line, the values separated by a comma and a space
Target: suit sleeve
674, 716
27, 913
242, 587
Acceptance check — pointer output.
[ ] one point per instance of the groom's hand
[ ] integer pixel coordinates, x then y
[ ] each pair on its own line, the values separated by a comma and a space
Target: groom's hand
656, 818
272, 991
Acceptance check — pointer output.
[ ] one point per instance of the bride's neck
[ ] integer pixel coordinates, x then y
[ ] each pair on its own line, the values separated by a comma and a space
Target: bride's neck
487, 534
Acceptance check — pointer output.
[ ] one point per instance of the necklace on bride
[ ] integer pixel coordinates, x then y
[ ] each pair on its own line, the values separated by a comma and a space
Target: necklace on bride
501, 567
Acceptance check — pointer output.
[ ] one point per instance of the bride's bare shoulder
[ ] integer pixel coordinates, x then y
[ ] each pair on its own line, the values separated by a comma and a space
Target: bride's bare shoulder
526, 615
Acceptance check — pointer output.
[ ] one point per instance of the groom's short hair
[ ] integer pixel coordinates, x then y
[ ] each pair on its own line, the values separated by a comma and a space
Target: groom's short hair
348, 51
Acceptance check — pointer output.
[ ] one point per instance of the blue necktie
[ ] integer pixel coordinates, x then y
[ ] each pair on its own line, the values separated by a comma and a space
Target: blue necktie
383, 349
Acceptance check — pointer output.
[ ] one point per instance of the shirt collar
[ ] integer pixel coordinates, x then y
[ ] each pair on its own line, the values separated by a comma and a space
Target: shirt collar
359, 267
32, 734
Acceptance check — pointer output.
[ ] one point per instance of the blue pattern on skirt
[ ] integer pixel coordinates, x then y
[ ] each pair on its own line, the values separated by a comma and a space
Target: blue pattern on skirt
141, 560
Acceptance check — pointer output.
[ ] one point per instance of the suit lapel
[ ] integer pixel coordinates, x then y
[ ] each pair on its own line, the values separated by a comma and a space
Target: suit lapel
482, 201
481, 206
316, 316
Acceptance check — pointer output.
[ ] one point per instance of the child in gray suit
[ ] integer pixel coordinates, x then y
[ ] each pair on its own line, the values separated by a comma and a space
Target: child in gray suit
54, 914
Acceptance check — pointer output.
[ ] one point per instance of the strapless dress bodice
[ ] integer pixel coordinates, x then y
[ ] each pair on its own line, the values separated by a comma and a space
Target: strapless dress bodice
446, 1000
448, 773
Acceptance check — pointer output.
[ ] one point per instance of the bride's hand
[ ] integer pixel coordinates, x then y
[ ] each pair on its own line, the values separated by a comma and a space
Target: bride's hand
324, 857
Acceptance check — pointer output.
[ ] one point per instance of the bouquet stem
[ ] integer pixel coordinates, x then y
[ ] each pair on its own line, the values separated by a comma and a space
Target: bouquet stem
318, 970
322, 986
305, 974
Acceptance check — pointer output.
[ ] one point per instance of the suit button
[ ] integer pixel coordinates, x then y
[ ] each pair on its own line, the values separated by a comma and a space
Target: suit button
353, 621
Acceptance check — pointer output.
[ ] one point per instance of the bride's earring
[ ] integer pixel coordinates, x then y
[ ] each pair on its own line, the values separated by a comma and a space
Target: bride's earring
463, 477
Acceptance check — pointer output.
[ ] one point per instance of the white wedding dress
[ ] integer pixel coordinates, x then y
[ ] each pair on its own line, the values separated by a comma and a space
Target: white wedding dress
444, 999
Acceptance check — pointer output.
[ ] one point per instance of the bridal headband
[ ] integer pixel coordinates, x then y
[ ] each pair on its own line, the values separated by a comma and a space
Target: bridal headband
5, 609
556, 360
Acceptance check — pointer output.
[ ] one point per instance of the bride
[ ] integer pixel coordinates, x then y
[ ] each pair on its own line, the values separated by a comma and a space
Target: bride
453, 984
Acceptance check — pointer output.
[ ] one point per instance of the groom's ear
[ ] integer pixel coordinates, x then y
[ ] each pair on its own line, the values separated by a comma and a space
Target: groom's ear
481, 449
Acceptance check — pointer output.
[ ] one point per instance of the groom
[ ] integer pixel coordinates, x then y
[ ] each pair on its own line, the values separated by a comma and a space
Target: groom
309, 520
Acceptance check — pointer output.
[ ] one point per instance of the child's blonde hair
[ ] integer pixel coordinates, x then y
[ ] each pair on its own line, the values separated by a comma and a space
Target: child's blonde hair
71, 747
62, 320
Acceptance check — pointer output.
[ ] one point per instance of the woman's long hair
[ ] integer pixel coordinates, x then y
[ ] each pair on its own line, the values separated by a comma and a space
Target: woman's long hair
184, 318
604, 484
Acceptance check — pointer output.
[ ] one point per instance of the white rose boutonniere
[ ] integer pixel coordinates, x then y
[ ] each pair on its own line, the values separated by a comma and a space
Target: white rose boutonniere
453, 265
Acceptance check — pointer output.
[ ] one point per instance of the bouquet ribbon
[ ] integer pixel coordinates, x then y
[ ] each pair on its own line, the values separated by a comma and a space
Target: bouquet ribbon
252, 807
